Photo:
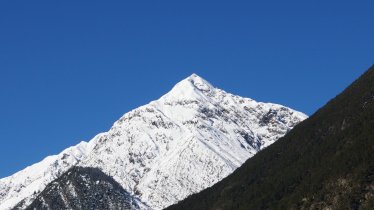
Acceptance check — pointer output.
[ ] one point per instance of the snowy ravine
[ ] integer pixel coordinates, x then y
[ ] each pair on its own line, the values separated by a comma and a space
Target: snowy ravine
184, 142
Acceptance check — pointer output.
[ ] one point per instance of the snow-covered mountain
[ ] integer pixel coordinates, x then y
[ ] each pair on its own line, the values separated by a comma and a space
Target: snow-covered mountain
184, 142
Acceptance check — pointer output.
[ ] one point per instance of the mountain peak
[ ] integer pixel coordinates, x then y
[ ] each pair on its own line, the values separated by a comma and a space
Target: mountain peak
199, 83
192, 87
196, 82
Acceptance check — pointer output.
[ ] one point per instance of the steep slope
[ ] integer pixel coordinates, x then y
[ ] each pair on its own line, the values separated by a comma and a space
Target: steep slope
84, 188
187, 140
326, 162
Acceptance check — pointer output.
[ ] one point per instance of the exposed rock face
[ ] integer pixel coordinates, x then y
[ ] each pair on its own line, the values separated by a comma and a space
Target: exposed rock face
84, 188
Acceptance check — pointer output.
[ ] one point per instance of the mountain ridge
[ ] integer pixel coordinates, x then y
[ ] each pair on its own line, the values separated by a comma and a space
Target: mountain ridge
84, 188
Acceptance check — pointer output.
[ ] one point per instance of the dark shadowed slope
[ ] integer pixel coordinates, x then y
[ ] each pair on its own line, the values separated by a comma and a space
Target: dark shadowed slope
84, 188
326, 161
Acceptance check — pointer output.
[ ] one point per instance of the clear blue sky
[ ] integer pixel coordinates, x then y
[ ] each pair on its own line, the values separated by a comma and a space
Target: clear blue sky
70, 69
